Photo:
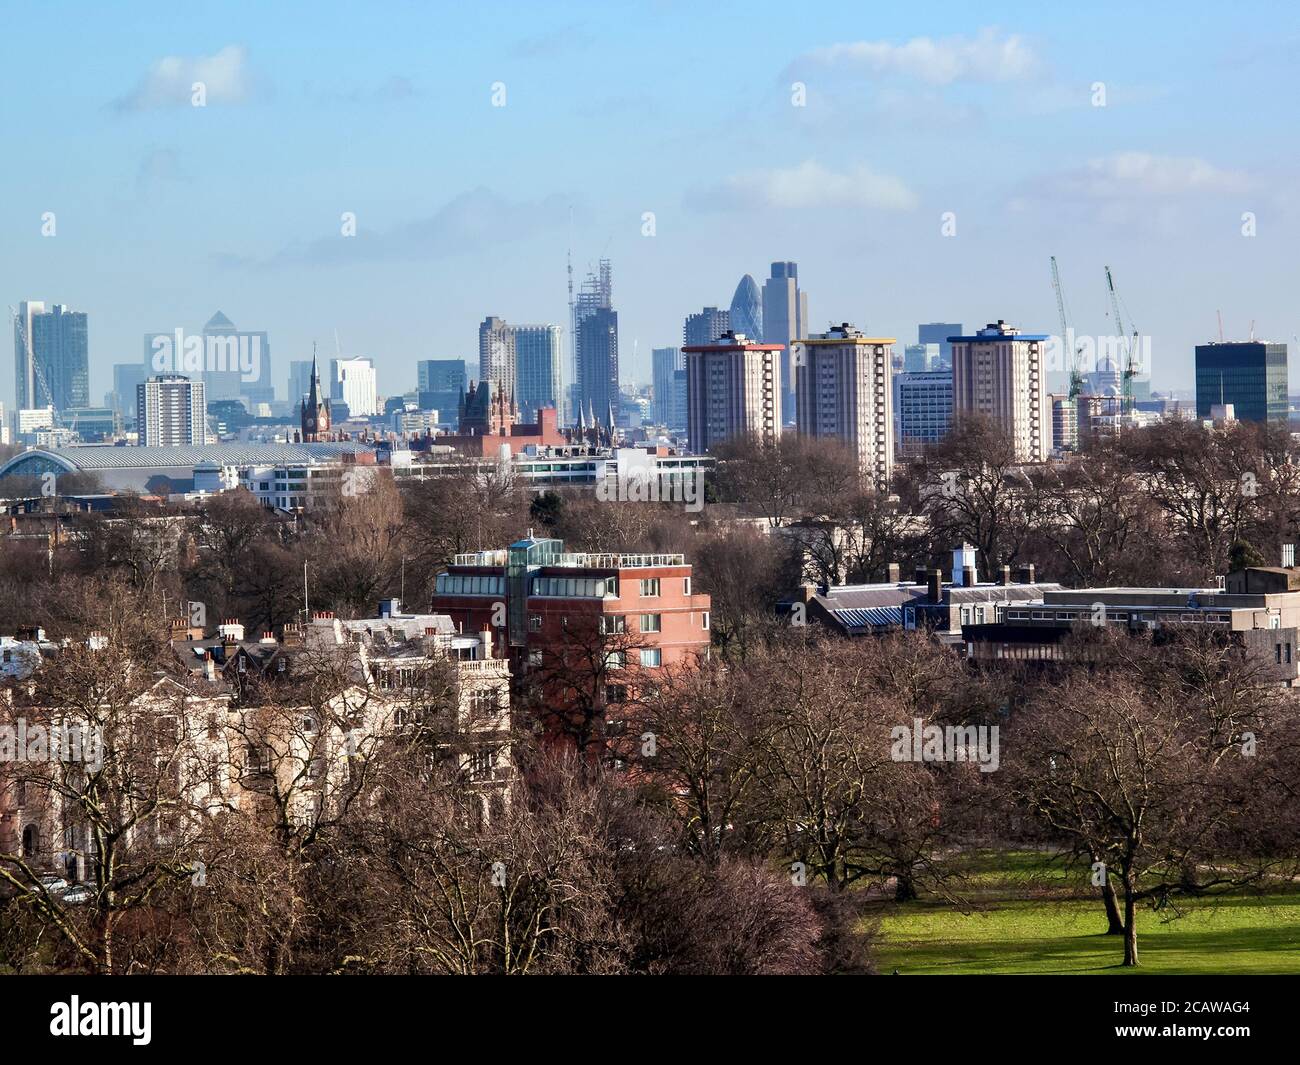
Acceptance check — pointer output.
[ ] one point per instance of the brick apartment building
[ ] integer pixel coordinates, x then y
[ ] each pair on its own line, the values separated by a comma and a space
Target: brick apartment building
589, 628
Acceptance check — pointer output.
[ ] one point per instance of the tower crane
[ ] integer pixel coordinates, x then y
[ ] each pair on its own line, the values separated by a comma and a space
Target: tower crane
26, 346
1126, 389
1076, 375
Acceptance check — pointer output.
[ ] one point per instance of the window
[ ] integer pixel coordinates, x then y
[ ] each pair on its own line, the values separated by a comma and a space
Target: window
686, 586
704, 621
612, 624
1277, 654
649, 587
651, 656
534, 622
482, 703
482, 762
534, 659
614, 660
615, 693
650, 623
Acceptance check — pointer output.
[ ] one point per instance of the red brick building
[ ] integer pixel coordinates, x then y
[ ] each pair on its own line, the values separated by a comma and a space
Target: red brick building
585, 629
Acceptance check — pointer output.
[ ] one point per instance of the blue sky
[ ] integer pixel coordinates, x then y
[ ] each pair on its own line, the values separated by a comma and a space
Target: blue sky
166, 212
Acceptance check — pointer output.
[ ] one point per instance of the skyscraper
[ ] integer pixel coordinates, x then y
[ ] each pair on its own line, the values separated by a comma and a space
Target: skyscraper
538, 351
746, 313
26, 393
171, 412
785, 320
664, 362
496, 354
440, 383
126, 380
51, 357
706, 326
1001, 373
845, 391
236, 363
732, 389
938, 333
596, 344
352, 381
299, 379
1250, 375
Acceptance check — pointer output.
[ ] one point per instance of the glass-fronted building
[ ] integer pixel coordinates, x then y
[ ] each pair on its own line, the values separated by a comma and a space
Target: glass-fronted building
1249, 375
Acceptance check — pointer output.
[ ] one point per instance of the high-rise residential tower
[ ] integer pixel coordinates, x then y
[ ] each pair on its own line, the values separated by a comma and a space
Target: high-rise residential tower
1249, 375
844, 391
1000, 373
785, 320
733, 388
171, 412
496, 354
51, 357
706, 326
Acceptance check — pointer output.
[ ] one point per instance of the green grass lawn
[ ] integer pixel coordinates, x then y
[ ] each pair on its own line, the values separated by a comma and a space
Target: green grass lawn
1033, 917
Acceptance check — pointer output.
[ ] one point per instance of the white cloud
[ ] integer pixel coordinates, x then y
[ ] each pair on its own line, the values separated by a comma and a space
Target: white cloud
170, 81
1136, 174
986, 57
808, 185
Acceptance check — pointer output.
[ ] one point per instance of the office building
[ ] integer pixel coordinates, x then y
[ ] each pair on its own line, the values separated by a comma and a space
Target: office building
922, 409
706, 326
746, 313
1065, 423
538, 354
733, 388
923, 358
353, 382
1251, 376
939, 333
1000, 373
785, 320
127, 377
845, 391
664, 363
170, 412
677, 411
299, 379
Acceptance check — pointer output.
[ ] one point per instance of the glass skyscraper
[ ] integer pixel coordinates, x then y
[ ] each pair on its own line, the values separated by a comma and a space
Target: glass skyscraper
746, 315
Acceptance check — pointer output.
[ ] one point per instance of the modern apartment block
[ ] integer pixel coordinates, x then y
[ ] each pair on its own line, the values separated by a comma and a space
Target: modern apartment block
1001, 373
1249, 375
51, 357
785, 320
538, 354
170, 411
496, 354
353, 382
733, 388
844, 390
577, 620
664, 363
922, 409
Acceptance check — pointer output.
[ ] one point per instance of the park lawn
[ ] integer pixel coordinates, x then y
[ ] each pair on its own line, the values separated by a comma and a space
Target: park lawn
1028, 923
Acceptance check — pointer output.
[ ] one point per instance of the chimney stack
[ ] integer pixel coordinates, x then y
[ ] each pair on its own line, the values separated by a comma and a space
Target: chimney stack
968, 577
934, 586
1006, 575
892, 573
919, 576
1027, 573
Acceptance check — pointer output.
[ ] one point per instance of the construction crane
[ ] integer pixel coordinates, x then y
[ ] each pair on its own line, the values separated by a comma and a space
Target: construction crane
1126, 389
1076, 375
26, 346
